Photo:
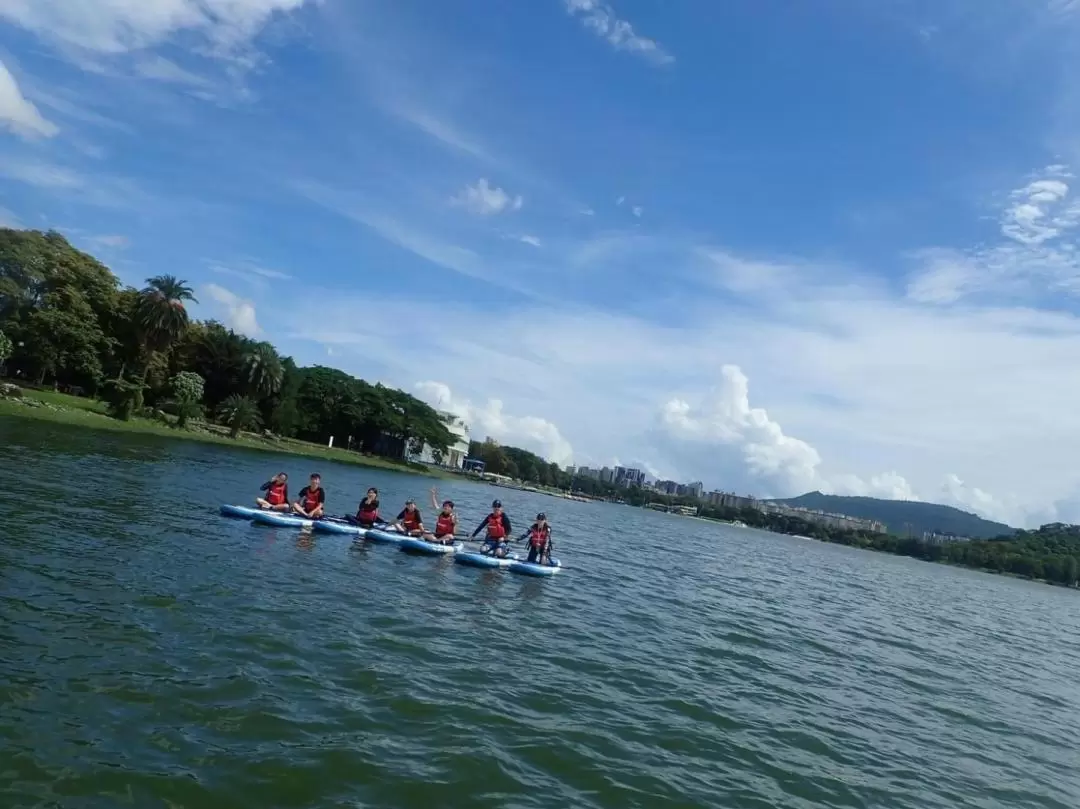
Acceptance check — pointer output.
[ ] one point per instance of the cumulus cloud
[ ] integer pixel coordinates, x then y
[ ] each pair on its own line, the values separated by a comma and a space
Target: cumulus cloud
490, 419
235, 312
1041, 210
18, 114
120, 26
601, 19
484, 199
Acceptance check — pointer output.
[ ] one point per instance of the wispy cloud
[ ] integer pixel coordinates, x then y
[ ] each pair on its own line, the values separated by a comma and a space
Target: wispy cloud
18, 114
601, 19
439, 129
114, 241
161, 69
1036, 254
530, 240
9, 219
484, 199
98, 189
248, 270
122, 26
637, 211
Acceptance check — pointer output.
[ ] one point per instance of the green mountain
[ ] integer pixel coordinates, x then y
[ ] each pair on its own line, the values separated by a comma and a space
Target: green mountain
904, 516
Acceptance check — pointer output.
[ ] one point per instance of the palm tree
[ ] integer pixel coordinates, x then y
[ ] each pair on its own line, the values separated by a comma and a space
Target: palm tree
160, 313
262, 366
239, 413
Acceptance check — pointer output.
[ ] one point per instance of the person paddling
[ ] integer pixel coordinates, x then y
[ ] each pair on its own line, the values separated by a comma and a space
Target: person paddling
445, 522
312, 499
498, 529
409, 520
539, 537
367, 513
277, 493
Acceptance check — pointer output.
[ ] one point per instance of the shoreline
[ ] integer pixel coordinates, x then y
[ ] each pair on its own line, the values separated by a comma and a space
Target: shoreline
89, 415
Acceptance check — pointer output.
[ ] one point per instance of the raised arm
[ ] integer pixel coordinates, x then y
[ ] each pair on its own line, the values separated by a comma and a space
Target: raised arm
435, 499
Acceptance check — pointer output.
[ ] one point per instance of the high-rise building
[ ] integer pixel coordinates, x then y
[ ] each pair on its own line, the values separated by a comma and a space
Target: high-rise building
607, 475
570, 470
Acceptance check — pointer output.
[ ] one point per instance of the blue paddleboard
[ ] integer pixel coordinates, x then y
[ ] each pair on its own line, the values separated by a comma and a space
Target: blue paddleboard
414, 545
477, 559
239, 512
535, 569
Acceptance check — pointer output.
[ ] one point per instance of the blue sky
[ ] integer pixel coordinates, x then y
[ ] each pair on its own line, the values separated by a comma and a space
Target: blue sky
772, 246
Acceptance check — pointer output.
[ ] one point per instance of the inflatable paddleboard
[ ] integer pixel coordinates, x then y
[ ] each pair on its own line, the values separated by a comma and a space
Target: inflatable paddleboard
335, 525
477, 559
414, 545
282, 520
535, 569
239, 512
383, 537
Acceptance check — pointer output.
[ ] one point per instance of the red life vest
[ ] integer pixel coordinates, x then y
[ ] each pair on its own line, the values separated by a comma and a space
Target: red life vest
369, 512
411, 520
276, 494
495, 527
444, 526
311, 499
537, 536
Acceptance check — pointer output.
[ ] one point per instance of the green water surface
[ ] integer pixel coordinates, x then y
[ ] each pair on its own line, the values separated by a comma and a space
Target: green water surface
154, 654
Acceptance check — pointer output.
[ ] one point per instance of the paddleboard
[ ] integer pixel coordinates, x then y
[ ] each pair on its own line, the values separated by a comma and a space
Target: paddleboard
239, 512
414, 545
282, 520
336, 525
383, 537
535, 569
477, 559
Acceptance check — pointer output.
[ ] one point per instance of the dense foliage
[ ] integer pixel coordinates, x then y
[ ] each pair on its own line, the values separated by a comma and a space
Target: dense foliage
904, 516
67, 320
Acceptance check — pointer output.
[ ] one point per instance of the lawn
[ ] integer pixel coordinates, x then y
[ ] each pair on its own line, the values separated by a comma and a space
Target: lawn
61, 408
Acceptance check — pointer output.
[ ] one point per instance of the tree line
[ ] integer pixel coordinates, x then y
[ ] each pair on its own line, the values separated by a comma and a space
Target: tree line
1052, 553
66, 320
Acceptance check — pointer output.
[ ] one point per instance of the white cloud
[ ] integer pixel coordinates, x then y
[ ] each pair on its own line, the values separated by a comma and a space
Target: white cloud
248, 270
114, 241
18, 114
620, 200
9, 219
41, 175
528, 432
637, 211
1036, 255
235, 312
153, 66
531, 240
601, 19
484, 199
119, 26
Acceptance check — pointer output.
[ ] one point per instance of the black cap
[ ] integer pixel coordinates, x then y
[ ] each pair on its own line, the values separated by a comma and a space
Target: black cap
448, 503
497, 504
410, 502
541, 516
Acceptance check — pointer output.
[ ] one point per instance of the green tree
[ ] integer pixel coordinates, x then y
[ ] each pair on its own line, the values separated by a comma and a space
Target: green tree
263, 370
187, 388
239, 413
5, 348
161, 316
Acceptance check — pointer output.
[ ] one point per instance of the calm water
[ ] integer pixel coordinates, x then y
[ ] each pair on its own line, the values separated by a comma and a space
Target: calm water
153, 654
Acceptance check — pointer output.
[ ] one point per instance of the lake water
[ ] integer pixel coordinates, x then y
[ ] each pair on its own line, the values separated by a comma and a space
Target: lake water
153, 654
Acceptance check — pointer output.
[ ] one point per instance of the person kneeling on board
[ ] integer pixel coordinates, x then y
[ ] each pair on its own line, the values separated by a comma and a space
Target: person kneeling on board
277, 493
312, 499
498, 530
367, 513
539, 537
409, 521
445, 521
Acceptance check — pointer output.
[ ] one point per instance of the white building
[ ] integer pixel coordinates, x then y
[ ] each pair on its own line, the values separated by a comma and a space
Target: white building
459, 450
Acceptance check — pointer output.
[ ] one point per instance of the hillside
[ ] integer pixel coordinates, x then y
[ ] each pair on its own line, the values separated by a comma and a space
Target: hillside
902, 516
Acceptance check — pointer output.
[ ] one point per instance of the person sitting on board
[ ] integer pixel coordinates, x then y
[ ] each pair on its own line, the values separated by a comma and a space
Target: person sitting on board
367, 513
539, 536
277, 493
445, 521
498, 529
312, 499
409, 521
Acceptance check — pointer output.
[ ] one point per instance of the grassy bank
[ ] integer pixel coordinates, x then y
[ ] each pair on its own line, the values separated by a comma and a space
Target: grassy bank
60, 408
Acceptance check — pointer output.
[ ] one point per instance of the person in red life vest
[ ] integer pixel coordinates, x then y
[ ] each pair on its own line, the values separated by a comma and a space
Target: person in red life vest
498, 530
367, 513
409, 520
312, 499
277, 493
445, 521
539, 537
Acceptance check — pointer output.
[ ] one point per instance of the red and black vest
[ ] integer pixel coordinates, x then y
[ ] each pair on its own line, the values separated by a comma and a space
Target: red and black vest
369, 512
411, 520
539, 536
444, 526
277, 494
495, 527
311, 499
